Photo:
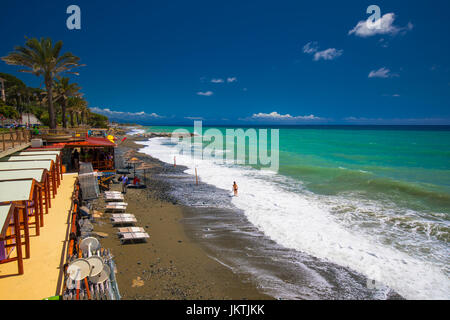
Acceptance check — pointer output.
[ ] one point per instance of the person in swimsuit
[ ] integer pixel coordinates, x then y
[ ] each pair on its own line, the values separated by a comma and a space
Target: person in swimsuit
235, 188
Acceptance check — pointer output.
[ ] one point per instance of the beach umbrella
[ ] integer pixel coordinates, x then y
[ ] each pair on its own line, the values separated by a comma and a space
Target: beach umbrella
110, 138
133, 161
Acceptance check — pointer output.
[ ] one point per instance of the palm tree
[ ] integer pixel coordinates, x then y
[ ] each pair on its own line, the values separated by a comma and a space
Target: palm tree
76, 106
64, 90
42, 58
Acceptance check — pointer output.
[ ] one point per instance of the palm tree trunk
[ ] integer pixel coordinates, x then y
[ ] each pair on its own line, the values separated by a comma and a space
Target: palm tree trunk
71, 119
63, 113
51, 109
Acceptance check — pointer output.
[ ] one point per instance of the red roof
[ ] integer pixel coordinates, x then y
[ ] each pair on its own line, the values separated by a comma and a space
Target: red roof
92, 142
88, 142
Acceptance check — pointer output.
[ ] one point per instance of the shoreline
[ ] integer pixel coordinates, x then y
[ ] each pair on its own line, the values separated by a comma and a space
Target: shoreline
224, 231
171, 265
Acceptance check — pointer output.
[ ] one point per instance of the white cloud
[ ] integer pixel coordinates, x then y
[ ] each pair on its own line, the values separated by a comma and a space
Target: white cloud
111, 112
125, 115
276, 116
310, 47
384, 25
231, 79
206, 93
217, 80
382, 73
328, 54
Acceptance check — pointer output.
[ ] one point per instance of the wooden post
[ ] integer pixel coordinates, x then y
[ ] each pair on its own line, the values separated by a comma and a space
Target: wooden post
36, 213
4, 143
27, 231
174, 161
11, 137
47, 187
53, 183
45, 195
196, 177
18, 241
41, 207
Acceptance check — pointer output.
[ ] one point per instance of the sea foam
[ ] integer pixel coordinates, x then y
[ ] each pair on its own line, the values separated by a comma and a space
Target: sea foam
303, 221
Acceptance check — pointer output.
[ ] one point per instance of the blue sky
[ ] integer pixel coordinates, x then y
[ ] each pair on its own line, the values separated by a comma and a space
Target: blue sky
282, 62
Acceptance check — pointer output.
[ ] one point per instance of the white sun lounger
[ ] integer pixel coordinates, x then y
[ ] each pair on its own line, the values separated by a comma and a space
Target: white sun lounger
132, 236
109, 200
113, 196
115, 208
131, 229
117, 204
123, 215
129, 220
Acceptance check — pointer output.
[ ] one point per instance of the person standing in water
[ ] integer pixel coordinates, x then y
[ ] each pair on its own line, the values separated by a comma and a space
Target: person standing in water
235, 188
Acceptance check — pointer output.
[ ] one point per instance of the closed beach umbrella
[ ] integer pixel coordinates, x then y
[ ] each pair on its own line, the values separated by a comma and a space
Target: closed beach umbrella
144, 166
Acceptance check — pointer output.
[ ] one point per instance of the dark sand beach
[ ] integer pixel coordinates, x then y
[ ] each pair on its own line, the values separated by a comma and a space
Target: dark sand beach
170, 265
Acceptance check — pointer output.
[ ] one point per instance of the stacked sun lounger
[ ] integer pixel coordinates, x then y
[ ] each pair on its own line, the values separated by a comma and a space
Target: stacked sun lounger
124, 218
111, 197
116, 207
115, 204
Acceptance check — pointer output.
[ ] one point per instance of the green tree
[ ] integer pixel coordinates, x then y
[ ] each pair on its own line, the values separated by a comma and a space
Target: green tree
42, 58
76, 107
97, 120
8, 111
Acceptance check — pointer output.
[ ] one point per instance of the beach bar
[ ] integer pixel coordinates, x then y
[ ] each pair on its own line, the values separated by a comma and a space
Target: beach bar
10, 236
96, 150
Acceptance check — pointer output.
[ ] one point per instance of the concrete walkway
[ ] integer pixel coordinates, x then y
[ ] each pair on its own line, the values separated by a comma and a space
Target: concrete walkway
41, 278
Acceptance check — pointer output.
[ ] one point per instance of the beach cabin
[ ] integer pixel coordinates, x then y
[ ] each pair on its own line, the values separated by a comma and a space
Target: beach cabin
40, 175
11, 216
57, 153
34, 164
52, 157
28, 193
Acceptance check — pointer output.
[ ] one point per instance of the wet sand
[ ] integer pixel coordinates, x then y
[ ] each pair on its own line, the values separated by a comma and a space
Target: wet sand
170, 265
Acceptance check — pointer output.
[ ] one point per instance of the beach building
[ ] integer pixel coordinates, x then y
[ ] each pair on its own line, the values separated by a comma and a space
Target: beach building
84, 146
40, 219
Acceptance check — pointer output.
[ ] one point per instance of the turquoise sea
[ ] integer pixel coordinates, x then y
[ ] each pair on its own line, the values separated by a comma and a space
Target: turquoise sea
375, 199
